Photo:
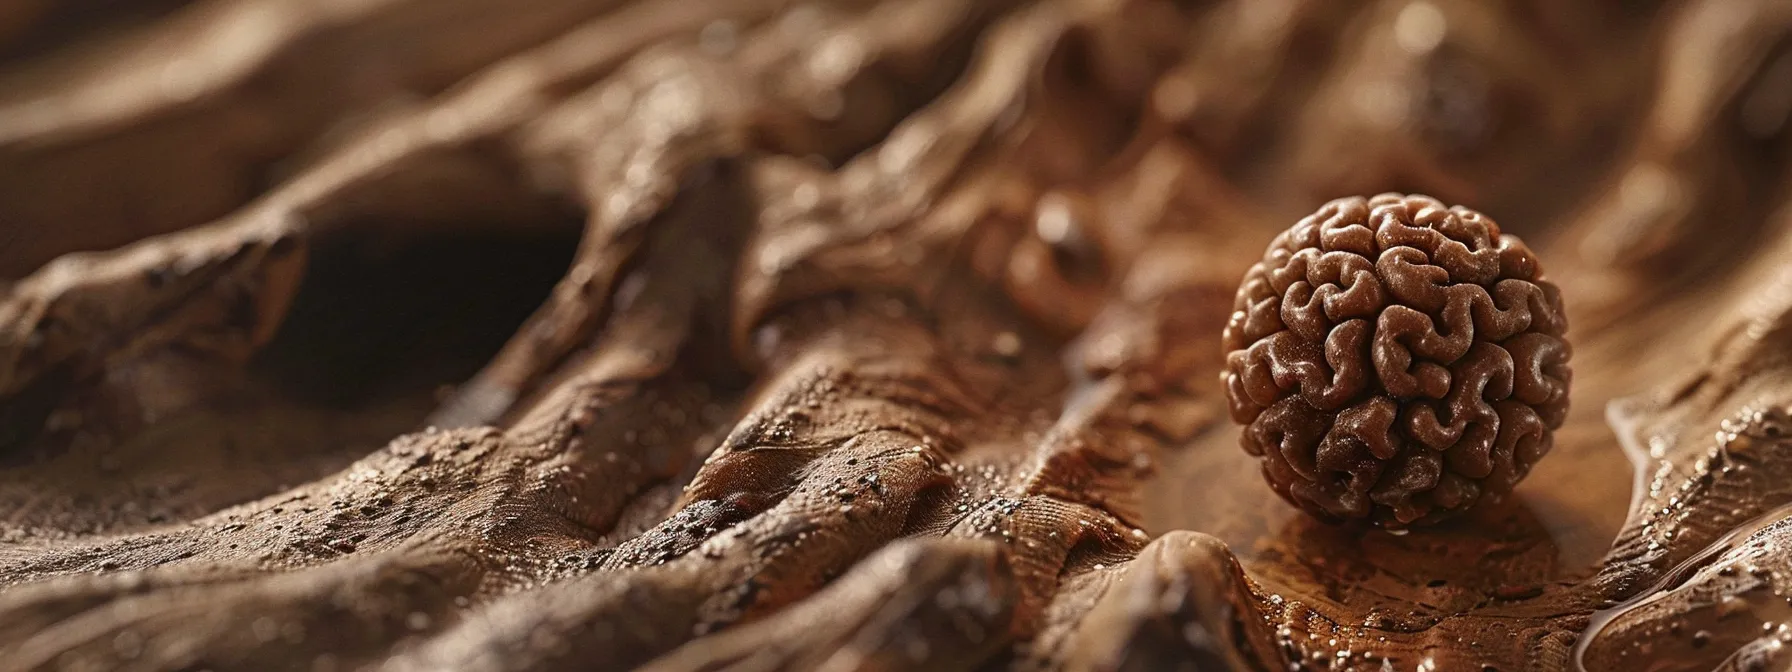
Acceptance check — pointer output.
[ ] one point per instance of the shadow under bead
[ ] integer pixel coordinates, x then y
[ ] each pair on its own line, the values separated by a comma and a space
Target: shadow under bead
1397, 361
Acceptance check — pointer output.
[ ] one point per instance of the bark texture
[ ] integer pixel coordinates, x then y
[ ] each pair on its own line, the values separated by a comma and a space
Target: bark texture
866, 334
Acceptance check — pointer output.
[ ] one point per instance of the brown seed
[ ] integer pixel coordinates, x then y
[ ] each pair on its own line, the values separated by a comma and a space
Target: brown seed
1397, 361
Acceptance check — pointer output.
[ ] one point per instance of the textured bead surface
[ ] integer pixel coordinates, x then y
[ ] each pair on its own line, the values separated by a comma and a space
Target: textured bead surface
1396, 360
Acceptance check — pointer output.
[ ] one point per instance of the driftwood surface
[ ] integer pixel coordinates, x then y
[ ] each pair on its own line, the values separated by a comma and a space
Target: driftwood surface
866, 334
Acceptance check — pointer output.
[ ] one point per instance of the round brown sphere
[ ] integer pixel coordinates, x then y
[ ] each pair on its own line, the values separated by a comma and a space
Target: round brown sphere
1397, 361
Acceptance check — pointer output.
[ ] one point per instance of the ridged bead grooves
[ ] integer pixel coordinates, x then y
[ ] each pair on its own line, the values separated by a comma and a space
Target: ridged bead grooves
1396, 360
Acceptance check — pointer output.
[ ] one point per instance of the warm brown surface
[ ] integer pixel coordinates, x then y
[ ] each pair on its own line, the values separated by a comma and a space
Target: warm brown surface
891, 337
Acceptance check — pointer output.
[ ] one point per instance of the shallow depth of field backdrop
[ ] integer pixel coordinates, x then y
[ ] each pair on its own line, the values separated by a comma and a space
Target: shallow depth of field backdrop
864, 334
